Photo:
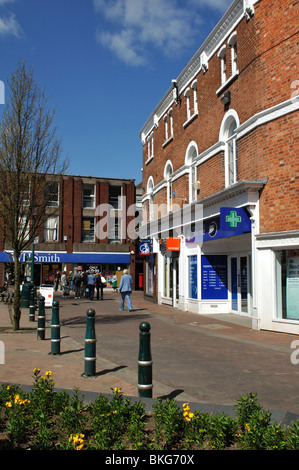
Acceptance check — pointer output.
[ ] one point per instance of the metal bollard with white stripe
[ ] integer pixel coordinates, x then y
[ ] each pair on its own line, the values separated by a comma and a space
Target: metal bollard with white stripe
90, 345
55, 329
41, 319
145, 363
32, 306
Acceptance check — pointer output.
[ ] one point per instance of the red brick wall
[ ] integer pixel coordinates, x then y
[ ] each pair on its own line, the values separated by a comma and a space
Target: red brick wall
268, 66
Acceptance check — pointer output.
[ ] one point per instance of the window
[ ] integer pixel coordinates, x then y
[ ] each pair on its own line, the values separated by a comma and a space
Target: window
222, 56
194, 88
88, 196
87, 229
51, 193
191, 155
287, 284
115, 196
229, 136
51, 229
234, 52
150, 187
168, 125
168, 176
114, 229
231, 150
150, 146
187, 95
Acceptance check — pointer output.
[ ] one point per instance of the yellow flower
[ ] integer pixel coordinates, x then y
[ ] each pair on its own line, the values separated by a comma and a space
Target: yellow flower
117, 390
8, 387
48, 373
8, 404
247, 427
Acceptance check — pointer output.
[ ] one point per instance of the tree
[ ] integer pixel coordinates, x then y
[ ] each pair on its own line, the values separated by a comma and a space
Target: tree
30, 156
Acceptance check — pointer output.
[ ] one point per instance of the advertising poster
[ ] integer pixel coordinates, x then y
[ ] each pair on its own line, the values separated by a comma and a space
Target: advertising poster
193, 277
292, 287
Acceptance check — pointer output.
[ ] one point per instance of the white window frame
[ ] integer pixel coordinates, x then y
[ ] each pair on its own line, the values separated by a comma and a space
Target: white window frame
230, 143
191, 154
222, 56
168, 176
91, 198
51, 228
232, 42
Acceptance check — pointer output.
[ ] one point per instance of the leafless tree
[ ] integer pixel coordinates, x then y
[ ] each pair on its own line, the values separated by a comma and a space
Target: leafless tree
30, 156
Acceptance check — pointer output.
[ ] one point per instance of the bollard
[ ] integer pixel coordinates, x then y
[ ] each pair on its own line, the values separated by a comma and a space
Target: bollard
32, 306
145, 382
90, 345
55, 329
41, 319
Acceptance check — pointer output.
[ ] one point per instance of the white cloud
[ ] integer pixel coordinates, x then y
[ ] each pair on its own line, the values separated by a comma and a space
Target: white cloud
9, 26
136, 25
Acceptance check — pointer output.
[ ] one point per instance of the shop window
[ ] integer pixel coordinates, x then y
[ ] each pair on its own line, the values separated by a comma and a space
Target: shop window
192, 265
287, 284
88, 196
51, 229
87, 229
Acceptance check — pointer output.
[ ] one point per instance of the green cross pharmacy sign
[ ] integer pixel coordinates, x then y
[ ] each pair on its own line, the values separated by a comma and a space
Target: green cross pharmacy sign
234, 219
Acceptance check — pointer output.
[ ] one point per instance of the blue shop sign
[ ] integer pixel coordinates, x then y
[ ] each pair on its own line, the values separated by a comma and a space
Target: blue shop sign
145, 247
214, 277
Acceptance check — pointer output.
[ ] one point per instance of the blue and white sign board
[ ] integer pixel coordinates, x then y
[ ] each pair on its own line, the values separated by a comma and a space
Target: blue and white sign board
214, 277
145, 247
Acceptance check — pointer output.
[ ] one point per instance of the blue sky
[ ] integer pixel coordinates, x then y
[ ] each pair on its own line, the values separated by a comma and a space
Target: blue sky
105, 65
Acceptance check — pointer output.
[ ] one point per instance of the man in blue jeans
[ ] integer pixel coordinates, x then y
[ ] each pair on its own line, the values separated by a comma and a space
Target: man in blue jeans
125, 289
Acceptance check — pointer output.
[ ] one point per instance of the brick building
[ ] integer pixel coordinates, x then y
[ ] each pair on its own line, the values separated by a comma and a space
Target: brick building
85, 225
221, 173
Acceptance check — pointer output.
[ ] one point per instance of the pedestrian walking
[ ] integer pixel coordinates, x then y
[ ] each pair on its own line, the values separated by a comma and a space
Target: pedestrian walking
99, 286
64, 284
125, 289
91, 281
114, 282
77, 284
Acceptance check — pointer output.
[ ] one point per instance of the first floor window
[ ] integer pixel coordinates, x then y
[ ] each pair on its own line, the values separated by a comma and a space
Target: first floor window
287, 284
51, 229
87, 229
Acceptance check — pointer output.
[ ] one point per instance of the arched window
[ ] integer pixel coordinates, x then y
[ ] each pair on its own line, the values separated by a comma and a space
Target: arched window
191, 155
229, 136
168, 176
150, 188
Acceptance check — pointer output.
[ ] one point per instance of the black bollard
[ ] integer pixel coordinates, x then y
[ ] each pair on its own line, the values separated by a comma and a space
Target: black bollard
32, 306
55, 329
145, 363
41, 319
90, 345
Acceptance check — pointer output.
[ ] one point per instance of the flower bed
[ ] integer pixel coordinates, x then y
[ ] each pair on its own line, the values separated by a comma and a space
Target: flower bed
48, 420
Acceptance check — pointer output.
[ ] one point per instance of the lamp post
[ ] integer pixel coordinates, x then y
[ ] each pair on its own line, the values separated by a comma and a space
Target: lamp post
34, 212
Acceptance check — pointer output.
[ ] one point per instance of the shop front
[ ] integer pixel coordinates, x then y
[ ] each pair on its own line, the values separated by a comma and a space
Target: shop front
46, 264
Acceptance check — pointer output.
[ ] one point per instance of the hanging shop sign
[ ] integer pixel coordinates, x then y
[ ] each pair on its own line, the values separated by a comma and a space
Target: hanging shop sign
145, 247
173, 244
234, 219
